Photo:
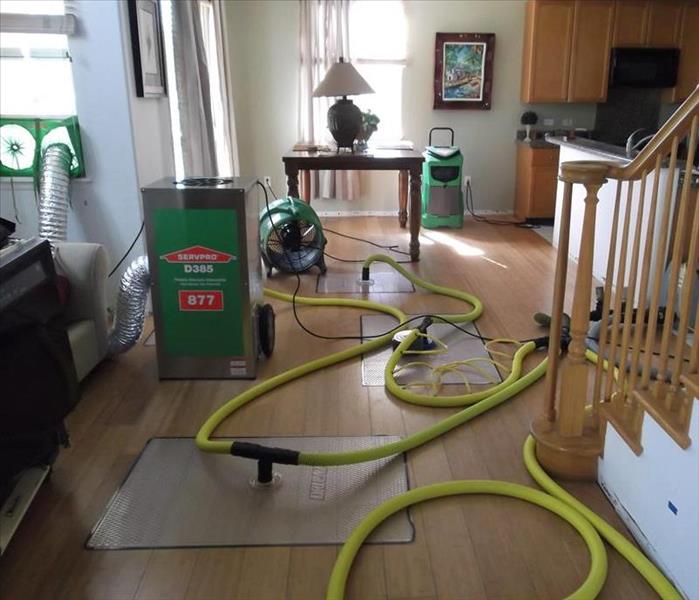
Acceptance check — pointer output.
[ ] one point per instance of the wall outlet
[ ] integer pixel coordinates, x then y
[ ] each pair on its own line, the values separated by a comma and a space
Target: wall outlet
467, 180
549, 122
567, 122
267, 179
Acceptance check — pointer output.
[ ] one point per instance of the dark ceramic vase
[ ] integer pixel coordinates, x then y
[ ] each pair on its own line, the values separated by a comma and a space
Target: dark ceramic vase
344, 122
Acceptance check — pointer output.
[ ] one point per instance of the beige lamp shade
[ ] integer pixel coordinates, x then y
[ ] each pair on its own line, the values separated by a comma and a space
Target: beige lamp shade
342, 79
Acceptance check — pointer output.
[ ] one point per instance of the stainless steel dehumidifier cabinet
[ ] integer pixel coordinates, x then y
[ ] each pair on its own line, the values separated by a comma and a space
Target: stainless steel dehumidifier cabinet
206, 277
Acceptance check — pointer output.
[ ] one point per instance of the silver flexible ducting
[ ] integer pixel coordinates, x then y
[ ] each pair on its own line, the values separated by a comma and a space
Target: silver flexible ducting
54, 202
131, 307
54, 193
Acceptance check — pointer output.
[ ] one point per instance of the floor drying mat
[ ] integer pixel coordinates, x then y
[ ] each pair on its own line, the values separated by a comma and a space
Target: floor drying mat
177, 496
384, 281
461, 346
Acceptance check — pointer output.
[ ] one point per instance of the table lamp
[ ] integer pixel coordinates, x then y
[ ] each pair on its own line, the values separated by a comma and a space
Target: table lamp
344, 117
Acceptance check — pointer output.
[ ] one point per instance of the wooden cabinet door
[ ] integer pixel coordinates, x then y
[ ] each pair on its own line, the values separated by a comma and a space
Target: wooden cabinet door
630, 23
590, 50
664, 20
688, 74
547, 42
543, 200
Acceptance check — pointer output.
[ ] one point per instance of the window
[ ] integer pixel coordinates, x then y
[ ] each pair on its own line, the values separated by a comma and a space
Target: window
378, 36
36, 78
37, 97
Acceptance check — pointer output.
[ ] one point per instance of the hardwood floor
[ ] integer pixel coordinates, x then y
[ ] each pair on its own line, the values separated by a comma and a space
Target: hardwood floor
465, 548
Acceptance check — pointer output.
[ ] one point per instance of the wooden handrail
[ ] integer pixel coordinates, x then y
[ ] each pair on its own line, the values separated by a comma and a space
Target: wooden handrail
676, 126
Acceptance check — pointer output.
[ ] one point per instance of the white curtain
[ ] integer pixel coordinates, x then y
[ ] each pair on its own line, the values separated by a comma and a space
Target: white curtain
207, 134
324, 38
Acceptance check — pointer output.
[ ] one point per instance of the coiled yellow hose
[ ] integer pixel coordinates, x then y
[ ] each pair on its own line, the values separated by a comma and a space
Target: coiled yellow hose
556, 500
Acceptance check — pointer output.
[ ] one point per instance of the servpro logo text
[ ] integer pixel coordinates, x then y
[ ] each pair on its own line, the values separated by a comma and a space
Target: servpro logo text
198, 254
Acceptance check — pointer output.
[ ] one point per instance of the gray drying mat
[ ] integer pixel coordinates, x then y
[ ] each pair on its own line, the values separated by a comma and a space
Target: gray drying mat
461, 346
385, 280
177, 496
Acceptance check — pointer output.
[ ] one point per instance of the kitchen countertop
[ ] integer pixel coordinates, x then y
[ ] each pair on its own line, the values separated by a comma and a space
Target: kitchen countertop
607, 151
537, 144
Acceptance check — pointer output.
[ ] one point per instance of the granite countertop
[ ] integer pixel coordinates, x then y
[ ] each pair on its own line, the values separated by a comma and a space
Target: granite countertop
539, 143
617, 153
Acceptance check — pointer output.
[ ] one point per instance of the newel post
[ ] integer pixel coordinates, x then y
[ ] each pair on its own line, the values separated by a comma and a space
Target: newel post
566, 444
574, 373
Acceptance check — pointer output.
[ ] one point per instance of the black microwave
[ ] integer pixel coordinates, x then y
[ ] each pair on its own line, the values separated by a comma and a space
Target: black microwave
644, 67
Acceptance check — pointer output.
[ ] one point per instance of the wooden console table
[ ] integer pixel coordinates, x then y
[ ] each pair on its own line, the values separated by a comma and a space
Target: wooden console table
407, 162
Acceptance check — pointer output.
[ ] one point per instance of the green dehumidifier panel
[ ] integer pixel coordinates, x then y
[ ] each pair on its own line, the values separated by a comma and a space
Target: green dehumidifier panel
442, 196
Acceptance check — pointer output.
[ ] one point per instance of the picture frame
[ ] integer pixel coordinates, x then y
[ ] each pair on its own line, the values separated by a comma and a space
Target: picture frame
463, 70
147, 48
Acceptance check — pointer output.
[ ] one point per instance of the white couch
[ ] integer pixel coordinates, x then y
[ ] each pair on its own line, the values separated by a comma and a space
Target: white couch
85, 267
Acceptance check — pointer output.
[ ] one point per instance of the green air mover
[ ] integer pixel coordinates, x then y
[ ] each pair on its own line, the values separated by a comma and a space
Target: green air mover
291, 237
442, 197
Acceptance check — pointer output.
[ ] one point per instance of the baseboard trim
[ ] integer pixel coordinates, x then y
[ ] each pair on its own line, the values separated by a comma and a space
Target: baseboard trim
394, 213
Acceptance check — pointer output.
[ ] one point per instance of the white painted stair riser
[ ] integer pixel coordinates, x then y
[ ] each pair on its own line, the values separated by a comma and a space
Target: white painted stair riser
657, 496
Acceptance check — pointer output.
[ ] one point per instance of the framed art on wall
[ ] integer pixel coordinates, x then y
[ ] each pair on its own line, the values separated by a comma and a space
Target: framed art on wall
463, 70
147, 48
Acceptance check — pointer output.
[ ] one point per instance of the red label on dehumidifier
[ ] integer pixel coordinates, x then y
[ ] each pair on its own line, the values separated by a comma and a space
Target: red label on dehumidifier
197, 254
201, 300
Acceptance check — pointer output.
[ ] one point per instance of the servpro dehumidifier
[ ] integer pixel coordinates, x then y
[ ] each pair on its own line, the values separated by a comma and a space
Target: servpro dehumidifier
206, 278
442, 196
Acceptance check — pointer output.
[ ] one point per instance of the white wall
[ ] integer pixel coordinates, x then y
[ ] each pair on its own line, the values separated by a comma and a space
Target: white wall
656, 494
264, 57
126, 140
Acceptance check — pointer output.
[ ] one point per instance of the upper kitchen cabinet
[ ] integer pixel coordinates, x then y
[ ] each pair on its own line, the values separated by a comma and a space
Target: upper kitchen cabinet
589, 57
566, 50
548, 34
664, 20
688, 73
630, 23
654, 23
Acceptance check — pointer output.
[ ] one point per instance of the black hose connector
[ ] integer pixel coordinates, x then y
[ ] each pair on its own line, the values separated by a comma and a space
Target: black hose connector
281, 456
426, 322
365, 273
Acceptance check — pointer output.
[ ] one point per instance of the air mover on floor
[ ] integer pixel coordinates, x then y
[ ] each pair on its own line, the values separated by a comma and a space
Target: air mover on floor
177, 496
442, 197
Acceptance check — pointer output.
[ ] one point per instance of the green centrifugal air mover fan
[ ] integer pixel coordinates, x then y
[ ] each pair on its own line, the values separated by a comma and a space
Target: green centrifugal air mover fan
291, 237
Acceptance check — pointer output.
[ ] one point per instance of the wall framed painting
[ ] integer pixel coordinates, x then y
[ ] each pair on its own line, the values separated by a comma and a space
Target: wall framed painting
147, 48
463, 70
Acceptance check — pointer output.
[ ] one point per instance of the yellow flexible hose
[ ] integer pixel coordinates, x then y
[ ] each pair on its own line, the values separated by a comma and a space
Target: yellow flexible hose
556, 500
598, 556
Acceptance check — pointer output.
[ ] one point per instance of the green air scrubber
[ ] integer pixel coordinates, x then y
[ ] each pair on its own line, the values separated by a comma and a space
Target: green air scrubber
291, 237
442, 196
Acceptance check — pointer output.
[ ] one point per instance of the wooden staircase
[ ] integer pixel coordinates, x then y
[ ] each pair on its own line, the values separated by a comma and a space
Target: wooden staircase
655, 239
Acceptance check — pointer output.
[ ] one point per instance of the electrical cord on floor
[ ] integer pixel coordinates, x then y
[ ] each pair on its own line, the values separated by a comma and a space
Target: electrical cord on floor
294, 304
123, 258
480, 219
391, 248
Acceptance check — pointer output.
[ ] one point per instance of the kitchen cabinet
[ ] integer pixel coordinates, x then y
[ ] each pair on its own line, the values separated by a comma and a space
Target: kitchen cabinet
537, 180
651, 23
566, 50
664, 20
688, 74
591, 45
548, 32
630, 23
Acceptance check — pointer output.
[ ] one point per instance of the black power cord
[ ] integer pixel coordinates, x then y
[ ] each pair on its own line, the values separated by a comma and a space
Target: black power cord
391, 248
481, 219
123, 258
351, 337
